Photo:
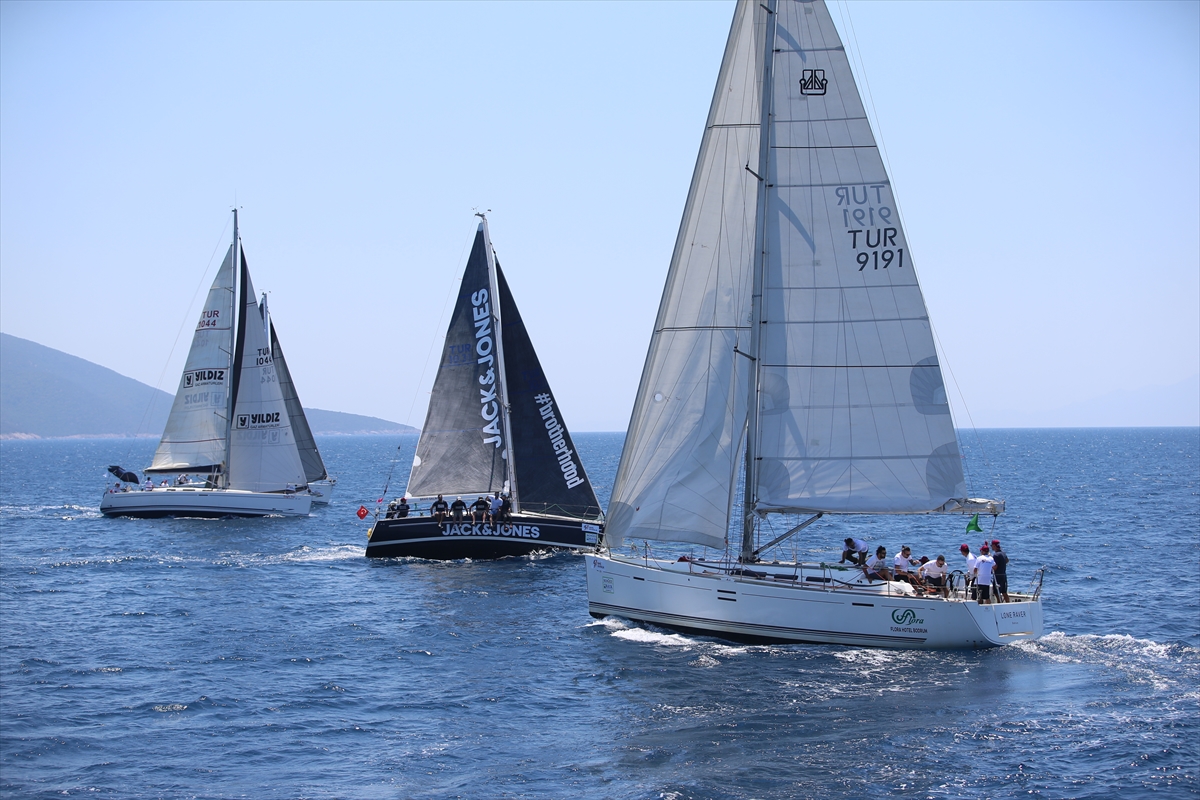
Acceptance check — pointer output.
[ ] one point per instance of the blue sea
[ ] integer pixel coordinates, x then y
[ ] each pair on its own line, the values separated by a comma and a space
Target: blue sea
271, 659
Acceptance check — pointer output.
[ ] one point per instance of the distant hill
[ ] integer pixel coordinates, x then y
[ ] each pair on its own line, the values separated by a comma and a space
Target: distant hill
47, 393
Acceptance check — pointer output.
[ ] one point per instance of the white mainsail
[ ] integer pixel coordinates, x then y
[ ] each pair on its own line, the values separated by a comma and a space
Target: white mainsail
678, 470
841, 386
853, 415
262, 450
194, 438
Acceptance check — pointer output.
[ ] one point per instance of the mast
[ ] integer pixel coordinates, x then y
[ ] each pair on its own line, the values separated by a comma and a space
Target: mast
501, 372
234, 328
756, 322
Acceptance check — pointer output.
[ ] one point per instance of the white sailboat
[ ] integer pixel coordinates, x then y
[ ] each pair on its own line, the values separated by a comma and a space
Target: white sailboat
236, 442
792, 350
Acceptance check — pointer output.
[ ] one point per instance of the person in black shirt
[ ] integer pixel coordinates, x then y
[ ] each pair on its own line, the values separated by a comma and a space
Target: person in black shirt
402, 508
505, 508
458, 509
479, 510
438, 510
1000, 573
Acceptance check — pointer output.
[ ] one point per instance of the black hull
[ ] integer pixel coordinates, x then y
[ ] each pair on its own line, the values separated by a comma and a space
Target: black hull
421, 537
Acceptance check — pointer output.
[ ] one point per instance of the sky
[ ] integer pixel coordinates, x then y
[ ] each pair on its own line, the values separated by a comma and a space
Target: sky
1046, 159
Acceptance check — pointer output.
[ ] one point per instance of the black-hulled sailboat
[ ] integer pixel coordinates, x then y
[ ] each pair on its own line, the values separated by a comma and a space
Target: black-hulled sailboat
237, 442
493, 428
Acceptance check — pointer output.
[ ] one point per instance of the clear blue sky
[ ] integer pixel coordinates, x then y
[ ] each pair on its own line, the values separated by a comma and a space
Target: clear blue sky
1046, 157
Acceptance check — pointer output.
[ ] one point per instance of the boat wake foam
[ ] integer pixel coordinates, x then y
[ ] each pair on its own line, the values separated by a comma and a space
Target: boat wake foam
1142, 660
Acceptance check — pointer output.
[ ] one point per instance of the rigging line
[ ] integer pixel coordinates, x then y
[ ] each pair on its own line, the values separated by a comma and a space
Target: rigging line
434, 340
182, 324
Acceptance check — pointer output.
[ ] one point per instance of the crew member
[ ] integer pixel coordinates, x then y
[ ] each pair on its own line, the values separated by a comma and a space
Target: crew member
458, 509
876, 568
1000, 574
855, 551
479, 509
438, 510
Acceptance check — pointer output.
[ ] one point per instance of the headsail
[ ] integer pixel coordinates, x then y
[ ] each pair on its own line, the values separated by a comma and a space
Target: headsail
853, 415
549, 473
679, 466
462, 449
310, 456
262, 452
194, 438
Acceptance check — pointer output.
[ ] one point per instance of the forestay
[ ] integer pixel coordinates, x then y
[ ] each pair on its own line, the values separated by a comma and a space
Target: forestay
678, 469
853, 415
194, 438
262, 453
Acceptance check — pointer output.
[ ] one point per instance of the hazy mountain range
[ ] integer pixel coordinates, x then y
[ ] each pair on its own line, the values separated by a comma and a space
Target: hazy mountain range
47, 393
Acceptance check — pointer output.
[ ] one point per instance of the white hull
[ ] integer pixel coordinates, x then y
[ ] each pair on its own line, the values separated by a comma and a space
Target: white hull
321, 491
181, 501
822, 606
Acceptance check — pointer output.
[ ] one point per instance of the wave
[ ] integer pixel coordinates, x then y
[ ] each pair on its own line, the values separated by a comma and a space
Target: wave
649, 634
1144, 661
59, 511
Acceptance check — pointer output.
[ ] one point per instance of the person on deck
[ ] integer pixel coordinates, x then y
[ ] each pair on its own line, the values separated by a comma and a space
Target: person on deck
458, 509
495, 507
438, 510
855, 551
934, 573
149, 483
1000, 573
116, 488
505, 508
876, 568
479, 509
905, 569
402, 508
969, 570
984, 566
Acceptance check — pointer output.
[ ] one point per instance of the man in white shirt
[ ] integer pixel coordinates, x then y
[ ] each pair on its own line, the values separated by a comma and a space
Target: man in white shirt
149, 483
855, 551
934, 573
876, 568
904, 568
969, 570
984, 565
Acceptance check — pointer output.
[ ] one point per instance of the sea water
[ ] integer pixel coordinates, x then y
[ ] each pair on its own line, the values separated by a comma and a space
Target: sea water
269, 659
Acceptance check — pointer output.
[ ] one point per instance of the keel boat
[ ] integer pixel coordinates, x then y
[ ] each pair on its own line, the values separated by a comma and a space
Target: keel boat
237, 442
792, 374
494, 433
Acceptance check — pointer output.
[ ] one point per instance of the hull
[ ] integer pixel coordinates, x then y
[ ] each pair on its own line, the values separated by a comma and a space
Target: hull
187, 502
321, 491
805, 603
422, 537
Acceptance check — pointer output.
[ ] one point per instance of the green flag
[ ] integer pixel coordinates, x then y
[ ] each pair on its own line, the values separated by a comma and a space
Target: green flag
973, 525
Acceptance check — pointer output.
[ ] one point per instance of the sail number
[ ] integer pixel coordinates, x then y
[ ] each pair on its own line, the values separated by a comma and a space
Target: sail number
872, 254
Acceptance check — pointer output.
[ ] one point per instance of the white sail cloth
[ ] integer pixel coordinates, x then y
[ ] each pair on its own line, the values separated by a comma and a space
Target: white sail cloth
681, 456
194, 438
853, 411
262, 450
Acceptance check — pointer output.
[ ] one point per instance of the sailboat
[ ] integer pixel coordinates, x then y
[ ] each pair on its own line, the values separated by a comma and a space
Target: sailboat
792, 364
494, 430
237, 442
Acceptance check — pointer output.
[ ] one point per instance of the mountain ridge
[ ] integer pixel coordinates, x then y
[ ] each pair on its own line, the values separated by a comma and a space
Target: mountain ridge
46, 394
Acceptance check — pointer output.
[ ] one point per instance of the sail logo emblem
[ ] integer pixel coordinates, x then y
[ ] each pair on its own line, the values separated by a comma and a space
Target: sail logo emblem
906, 617
255, 420
813, 82
199, 376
